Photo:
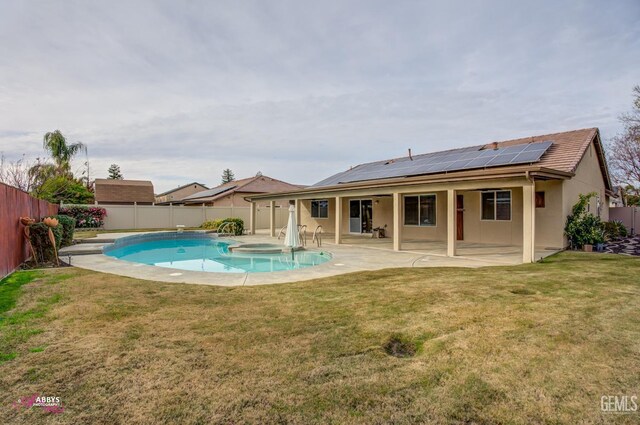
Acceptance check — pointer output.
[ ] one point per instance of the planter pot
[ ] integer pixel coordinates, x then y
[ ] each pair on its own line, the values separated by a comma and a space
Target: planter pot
587, 248
599, 247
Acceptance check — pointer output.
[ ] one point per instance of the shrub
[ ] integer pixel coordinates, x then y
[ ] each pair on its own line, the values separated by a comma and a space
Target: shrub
237, 228
39, 238
211, 224
68, 225
64, 189
582, 227
614, 229
86, 217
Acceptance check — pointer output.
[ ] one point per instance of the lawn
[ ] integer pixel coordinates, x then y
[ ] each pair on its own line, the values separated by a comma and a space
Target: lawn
539, 343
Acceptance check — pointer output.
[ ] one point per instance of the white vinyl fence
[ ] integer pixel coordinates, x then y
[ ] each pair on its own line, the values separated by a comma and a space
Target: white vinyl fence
630, 216
169, 216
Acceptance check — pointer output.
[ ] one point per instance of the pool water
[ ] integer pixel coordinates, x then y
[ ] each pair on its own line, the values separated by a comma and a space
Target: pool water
208, 255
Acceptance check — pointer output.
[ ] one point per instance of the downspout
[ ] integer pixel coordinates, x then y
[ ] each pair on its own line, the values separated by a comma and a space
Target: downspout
528, 177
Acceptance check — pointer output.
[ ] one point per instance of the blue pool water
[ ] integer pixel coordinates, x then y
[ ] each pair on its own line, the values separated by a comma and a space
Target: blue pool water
204, 253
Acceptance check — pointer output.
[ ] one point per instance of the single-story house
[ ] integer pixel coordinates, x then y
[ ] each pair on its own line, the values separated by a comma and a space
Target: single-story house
180, 192
515, 192
233, 194
123, 192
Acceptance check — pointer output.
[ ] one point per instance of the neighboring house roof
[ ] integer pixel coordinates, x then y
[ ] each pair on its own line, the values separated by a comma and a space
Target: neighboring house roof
559, 155
256, 184
126, 191
168, 192
210, 192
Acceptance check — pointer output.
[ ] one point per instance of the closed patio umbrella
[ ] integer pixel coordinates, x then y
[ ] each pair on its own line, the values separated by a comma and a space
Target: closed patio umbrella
292, 238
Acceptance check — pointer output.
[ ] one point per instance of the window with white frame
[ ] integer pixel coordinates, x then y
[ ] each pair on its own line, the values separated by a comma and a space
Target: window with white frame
420, 210
320, 208
496, 205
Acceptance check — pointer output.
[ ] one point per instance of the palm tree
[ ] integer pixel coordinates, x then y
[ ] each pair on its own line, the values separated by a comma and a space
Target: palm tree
61, 152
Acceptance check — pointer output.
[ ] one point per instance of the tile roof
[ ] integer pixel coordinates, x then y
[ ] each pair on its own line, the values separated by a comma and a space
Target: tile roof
256, 184
566, 151
563, 155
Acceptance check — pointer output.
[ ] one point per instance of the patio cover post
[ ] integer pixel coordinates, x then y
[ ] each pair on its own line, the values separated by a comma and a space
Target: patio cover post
298, 215
397, 221
529, 223
338, 214
252, 218
451, 223
272, 218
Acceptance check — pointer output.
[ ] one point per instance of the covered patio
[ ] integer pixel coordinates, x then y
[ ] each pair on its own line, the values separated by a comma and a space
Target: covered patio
487, 218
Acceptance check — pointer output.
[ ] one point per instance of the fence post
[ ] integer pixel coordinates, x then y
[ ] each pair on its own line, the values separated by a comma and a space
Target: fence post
135, 215
170, 214
204, 213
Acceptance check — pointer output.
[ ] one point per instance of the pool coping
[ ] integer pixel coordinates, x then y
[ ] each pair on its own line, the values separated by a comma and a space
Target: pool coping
345, 259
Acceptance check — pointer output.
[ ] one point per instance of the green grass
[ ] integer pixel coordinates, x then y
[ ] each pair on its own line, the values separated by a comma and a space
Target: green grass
17, 326
538, 343
10, 289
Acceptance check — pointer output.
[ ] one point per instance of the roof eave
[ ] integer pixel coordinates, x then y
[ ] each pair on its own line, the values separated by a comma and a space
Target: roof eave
483, 174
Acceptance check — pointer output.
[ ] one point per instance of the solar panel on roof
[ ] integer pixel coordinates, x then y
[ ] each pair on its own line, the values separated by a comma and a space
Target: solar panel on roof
209, 192
453, 160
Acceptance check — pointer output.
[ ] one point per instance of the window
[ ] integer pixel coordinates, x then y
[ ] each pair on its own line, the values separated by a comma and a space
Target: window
539, 199
496, 205
420, 210
320, 209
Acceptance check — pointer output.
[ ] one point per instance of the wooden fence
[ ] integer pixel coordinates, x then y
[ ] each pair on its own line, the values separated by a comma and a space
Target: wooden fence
14, 204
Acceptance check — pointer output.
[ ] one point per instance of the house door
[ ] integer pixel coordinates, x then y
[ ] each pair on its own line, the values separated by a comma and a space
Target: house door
459, 217
360, 216
366, 210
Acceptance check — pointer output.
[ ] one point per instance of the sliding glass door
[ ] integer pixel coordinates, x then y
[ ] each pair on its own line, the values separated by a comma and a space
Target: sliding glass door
360, 216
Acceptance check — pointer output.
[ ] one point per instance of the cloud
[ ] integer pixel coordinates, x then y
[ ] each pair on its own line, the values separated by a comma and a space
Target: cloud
175, 92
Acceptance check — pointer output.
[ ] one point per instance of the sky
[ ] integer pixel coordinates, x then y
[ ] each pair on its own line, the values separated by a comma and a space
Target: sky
177, 91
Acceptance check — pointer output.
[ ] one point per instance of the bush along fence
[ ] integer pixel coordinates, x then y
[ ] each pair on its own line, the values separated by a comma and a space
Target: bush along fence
14, 204
86, 217
587, 231
230, 225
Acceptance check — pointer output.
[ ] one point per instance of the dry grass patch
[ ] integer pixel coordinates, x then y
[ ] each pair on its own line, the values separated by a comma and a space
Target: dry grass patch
538, 343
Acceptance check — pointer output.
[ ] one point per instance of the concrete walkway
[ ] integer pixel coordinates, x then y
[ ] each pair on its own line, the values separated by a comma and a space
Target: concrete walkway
355, 255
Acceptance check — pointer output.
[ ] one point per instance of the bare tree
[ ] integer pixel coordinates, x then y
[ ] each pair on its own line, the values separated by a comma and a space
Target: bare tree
17, 173
625, 147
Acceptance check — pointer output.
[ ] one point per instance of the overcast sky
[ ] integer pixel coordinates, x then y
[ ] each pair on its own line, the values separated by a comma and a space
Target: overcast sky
176, 91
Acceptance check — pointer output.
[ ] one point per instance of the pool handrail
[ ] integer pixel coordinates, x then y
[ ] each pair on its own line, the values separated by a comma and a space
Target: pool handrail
317, 236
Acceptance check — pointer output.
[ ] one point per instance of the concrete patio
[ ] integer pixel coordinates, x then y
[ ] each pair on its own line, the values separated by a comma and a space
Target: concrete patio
354, 254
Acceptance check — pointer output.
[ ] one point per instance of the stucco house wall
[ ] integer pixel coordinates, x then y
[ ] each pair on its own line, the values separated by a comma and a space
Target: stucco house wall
588, 178
180, 193
550, 219
237, 199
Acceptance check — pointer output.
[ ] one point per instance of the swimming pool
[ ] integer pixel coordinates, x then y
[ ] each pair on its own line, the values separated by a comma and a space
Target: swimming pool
197, 251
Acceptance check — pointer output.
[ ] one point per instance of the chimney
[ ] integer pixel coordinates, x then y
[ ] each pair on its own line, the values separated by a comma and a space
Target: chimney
494, 145
410, 157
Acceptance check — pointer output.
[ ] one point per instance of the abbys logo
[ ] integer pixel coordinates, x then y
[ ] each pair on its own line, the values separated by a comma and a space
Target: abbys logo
46, 403
619, 404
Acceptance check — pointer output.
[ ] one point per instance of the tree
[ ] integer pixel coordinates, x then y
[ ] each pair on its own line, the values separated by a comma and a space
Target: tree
61, 152
17, 173
631, 196
625, 147
114, 172
62, 189
227, 176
